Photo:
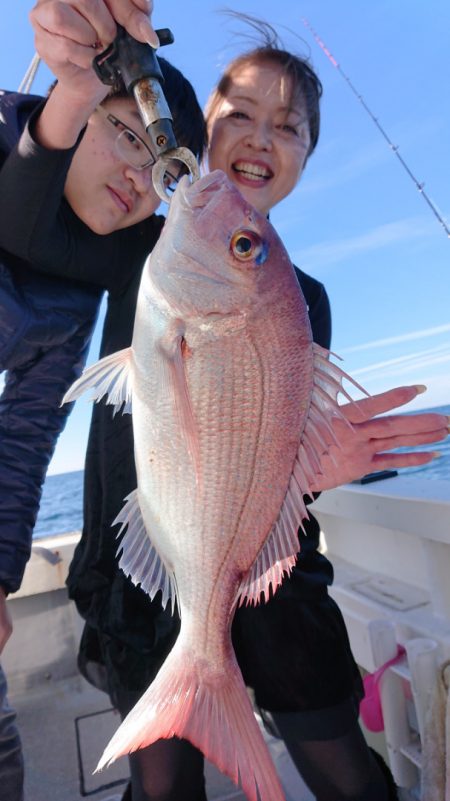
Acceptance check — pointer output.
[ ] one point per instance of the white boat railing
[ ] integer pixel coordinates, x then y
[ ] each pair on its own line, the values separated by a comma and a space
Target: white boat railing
390, 545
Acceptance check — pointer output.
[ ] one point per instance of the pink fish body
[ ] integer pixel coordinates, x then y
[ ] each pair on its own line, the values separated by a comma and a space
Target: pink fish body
229, 400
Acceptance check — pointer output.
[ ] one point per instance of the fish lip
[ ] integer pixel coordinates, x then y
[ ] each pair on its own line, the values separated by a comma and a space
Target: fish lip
196, 194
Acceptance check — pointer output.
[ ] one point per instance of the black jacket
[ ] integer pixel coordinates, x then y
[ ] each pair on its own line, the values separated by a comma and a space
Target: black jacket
45, 328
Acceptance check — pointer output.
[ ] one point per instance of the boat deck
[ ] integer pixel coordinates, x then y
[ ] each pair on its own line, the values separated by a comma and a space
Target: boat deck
64, 726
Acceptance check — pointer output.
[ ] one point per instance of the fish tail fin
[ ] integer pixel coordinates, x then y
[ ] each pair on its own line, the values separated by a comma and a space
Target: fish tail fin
213, 713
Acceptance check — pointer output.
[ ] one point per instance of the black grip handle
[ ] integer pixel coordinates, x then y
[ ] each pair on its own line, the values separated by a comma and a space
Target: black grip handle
129, 59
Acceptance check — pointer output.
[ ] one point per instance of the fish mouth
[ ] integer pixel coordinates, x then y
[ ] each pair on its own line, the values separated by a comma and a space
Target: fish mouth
199, 193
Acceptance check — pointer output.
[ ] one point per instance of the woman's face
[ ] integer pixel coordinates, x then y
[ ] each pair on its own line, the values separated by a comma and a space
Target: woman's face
259, 135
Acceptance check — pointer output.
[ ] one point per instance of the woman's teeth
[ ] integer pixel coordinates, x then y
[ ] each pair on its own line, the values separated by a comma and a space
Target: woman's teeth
253, 171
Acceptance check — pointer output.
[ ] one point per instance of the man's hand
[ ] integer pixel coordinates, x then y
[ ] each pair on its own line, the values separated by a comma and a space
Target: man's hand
5, 621
135, 16
365, 445
69, 33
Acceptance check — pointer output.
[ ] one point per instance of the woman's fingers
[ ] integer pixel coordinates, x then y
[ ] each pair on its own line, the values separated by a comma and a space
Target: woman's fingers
389, 461
365, 447
367, 408
401, 426
411, 441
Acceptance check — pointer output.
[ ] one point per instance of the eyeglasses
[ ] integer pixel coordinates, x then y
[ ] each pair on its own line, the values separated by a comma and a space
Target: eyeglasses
129, 145
132, 148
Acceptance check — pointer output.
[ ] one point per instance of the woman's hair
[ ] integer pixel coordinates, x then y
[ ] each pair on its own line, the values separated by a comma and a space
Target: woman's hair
305, 82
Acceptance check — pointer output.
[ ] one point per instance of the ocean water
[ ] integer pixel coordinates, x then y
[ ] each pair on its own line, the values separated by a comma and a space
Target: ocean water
438, 468
62, 496
61, 507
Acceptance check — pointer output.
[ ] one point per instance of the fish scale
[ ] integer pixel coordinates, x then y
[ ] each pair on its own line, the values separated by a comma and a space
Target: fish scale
224, 458
231, 402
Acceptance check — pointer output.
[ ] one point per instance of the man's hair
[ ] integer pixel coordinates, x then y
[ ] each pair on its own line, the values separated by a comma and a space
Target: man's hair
305, 82
188, 122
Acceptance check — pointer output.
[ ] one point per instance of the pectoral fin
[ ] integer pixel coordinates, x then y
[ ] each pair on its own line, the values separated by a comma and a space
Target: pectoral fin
279, 553
110, 376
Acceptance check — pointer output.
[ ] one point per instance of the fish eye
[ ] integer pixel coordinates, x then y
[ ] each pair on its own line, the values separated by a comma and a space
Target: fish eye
248, 246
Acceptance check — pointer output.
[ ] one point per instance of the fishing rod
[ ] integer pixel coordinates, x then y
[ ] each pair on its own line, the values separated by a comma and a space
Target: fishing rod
395, 149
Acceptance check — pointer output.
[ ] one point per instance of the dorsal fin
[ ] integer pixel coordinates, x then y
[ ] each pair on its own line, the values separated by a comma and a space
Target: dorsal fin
279, 553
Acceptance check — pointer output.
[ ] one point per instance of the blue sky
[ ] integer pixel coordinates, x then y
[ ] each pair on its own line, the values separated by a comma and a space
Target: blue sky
356, 221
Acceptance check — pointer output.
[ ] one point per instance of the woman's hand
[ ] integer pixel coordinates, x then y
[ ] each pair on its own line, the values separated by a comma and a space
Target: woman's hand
365, 445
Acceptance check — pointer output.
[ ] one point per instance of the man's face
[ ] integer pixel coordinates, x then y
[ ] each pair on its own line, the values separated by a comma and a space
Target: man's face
259, 135
103, 189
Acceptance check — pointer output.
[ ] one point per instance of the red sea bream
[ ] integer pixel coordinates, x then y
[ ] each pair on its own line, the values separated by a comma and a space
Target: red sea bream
231, 403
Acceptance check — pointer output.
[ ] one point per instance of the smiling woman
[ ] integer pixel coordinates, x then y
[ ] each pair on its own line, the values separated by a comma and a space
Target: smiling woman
263, 121
259, 137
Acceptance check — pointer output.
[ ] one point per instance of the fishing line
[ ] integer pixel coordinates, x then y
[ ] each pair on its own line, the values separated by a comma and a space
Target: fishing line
28, 78
394, 148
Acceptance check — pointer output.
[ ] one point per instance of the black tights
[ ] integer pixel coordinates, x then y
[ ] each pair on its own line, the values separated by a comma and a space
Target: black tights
168, 770
342, 769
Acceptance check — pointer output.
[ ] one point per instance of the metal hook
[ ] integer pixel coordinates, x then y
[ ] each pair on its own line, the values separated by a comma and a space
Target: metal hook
182, 154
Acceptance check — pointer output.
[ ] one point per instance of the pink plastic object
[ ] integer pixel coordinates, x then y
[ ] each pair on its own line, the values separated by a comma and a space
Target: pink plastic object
370, 706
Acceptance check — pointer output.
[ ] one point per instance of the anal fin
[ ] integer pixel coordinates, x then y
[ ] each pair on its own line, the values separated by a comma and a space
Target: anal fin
279, 554
139, 558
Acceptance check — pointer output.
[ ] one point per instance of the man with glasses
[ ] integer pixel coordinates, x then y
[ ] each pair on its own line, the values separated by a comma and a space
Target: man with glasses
78, 218
129, 144
133, 149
